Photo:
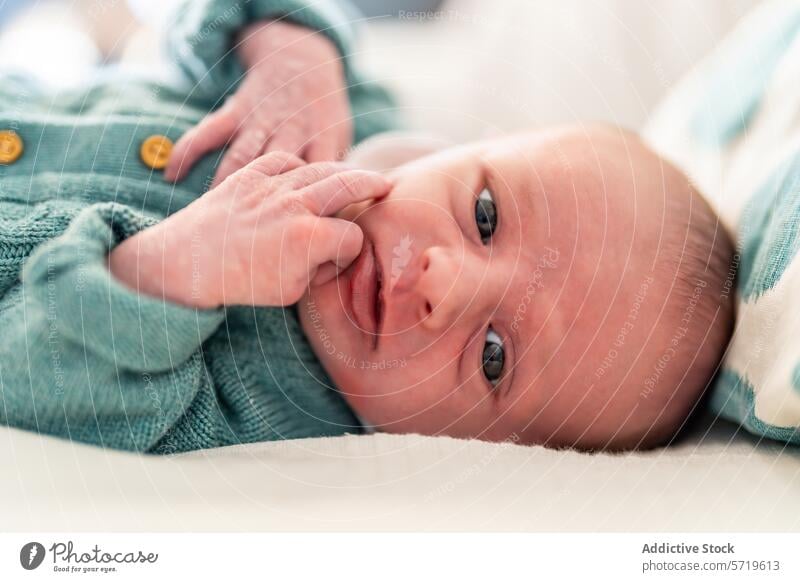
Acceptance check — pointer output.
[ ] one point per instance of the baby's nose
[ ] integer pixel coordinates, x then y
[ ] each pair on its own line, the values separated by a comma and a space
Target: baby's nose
448, 286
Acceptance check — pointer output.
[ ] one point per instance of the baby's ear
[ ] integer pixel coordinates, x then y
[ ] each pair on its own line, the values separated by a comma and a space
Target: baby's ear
387, 151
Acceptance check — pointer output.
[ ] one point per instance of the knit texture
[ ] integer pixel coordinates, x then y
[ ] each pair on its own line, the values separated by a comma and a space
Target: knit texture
84, 357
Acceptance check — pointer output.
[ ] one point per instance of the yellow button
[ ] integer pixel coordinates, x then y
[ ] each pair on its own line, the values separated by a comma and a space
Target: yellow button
155, 151
10, 146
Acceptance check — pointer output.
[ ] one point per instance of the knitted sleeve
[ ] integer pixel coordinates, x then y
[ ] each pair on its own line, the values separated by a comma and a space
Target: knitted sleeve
68, 277
201, 37
53, 385
22, 229
82, 356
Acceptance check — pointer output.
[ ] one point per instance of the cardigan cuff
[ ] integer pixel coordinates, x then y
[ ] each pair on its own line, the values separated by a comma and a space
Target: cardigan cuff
70, 279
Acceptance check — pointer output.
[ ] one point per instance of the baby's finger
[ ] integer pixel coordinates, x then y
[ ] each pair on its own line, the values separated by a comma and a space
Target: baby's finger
325, 273
334, 241
210, 134
308, 174
329, 196
244, 149
276, 163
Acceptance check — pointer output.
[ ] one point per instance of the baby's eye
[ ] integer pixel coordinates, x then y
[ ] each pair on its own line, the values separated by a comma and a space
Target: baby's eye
485, 215
493, 357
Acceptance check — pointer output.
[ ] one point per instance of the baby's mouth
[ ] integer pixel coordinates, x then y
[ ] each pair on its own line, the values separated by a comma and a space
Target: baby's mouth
366, 297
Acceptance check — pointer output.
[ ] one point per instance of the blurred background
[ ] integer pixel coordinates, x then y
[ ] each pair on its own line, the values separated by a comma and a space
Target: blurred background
461, 68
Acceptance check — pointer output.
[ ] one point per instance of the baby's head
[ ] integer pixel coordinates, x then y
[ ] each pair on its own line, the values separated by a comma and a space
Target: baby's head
566, 287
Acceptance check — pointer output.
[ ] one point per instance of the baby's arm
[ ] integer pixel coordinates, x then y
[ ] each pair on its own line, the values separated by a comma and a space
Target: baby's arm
285, 66
81, 355
85, 356
259, 238
293, 99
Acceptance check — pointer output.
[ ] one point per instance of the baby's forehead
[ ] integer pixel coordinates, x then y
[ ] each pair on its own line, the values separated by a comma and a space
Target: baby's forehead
575, 150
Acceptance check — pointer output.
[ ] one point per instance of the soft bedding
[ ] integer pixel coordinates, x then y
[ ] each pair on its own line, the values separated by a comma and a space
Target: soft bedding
712, 481
734, 126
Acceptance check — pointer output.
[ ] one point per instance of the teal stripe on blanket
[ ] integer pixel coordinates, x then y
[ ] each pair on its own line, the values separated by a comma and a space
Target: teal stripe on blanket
733, 398
768, 231
736, 89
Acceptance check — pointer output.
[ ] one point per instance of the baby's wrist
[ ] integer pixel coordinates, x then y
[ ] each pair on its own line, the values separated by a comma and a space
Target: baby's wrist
156, 263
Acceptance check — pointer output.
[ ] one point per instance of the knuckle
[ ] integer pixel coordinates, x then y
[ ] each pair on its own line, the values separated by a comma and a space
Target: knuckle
247, 187
350, 182
247, 198
252, 200
320, 170
255, 139
239, 155
289, 205
276, 162
298, 233
291, 284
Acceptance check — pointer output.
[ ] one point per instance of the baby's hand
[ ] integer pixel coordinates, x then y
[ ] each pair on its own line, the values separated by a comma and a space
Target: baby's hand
293, 99
260, 238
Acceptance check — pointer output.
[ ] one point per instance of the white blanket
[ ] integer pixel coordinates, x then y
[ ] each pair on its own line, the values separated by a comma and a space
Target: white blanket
385, 482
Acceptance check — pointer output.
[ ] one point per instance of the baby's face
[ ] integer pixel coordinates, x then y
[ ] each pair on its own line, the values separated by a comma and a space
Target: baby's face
488, 292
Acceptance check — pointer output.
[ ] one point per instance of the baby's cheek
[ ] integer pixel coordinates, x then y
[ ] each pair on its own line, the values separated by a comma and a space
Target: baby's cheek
400, 390
390, 381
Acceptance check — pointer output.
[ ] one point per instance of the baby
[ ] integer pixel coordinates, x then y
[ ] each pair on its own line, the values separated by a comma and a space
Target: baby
563, 287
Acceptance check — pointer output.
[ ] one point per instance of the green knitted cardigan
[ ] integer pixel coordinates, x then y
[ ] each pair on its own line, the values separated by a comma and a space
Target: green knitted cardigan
82, 356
